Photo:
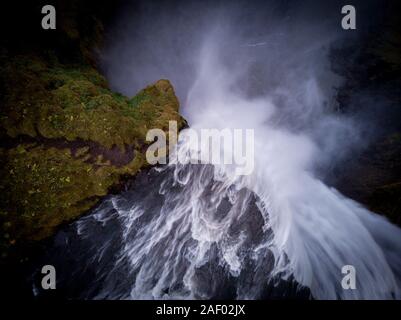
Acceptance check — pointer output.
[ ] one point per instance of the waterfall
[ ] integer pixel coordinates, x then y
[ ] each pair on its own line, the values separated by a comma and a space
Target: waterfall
199, 231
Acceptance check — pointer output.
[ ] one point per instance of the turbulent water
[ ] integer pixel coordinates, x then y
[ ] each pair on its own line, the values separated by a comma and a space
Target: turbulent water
200, 230
189, 231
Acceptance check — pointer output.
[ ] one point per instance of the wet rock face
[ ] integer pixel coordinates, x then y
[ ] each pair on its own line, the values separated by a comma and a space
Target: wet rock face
372, 94
66, 139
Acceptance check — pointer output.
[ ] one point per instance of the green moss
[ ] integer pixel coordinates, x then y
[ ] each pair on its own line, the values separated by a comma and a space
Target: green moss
45, 187
138, 99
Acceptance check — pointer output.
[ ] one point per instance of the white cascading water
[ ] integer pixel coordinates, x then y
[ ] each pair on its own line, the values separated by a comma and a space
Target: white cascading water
200, 231
313, 225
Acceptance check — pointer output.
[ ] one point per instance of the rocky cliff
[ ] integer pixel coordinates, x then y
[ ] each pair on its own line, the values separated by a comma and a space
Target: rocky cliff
66, 139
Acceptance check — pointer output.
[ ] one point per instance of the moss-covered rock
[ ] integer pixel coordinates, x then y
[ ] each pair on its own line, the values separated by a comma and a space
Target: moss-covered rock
67, 139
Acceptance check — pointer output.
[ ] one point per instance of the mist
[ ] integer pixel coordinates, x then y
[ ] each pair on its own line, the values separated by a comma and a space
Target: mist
272, 50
